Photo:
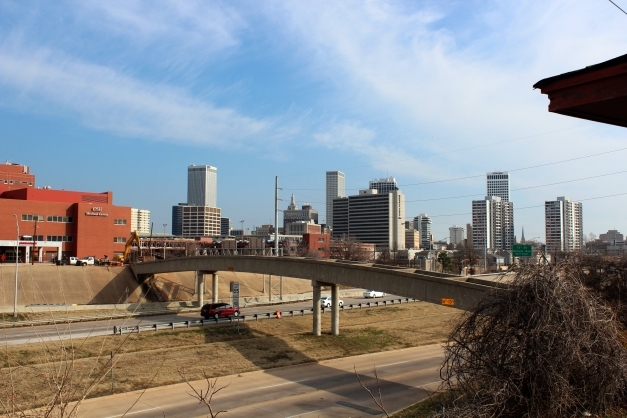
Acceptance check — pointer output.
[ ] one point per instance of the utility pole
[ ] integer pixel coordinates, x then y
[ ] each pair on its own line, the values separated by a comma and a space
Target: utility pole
17, 257
276, 216
164, 225
32, 256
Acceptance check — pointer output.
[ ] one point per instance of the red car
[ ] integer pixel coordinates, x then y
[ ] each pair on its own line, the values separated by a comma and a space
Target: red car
217, 310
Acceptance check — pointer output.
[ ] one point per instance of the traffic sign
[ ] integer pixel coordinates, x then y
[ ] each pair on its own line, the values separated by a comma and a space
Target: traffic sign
520, 250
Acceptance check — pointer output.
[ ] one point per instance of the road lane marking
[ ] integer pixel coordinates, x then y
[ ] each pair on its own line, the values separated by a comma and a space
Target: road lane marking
134, 412
427, 384
398, 362
282, 384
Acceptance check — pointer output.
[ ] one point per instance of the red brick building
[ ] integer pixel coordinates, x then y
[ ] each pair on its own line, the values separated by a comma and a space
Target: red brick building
57, 222
317, 244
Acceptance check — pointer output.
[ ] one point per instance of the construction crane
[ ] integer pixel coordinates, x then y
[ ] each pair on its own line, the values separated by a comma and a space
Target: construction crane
134, 239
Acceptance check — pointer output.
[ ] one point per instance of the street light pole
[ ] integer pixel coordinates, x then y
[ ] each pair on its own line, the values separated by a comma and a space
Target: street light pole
17, 242
164, 225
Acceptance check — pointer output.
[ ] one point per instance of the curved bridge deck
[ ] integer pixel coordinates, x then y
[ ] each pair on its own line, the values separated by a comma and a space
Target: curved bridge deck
419, 284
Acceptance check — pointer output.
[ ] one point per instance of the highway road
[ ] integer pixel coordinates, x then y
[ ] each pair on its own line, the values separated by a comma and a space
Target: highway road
326, 389
34, 334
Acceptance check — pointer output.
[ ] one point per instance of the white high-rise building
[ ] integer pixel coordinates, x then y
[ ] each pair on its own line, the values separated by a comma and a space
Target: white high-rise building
498, 185
456, 234
372, 218
140, 221
492, 223
382, 186
335, 188
202, 185
422, 223
201, 221
563, 224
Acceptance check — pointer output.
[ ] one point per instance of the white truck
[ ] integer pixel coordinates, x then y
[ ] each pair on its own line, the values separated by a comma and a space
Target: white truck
85, 261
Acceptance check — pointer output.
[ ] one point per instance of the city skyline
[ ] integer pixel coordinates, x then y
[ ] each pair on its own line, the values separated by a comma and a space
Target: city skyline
435, 95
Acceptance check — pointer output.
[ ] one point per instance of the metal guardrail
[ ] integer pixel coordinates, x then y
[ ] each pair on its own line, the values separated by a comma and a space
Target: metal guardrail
237, 319
15, 324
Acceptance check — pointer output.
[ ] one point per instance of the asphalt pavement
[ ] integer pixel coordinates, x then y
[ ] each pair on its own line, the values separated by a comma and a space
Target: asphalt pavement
39, 333
325, 389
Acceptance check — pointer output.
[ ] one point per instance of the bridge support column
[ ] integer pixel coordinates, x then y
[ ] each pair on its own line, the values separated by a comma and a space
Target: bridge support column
214, 287
317, 311
335, 310
200, 287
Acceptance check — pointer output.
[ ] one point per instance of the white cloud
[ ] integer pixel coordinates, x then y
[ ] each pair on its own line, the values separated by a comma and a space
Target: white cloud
175, 32
109, 100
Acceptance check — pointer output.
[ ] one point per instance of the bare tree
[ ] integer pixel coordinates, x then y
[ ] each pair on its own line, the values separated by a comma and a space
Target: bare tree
207, 397
544, 347
378, 400
349, 248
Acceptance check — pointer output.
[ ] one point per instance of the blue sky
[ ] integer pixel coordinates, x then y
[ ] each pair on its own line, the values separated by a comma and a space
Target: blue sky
124, 95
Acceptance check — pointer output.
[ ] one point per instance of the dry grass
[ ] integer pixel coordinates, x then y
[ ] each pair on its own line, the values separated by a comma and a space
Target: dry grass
221, 350
63, 315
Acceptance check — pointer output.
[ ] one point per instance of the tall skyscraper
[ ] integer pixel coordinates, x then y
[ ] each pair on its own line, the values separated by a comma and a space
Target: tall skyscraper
177, 219
225, 226
563, 224
456, 234
422, 223
293, 214
382, 186
498, 185
335, 188
202, 185
371, 217
492, 223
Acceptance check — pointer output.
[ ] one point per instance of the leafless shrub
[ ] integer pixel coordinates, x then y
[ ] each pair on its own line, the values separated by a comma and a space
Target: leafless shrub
377, 400
206, 397
546, 347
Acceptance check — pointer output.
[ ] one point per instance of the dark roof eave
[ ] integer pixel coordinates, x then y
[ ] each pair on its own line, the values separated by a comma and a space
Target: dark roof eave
606, 64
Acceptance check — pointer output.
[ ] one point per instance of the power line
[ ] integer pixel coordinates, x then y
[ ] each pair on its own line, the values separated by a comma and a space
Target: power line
532, 207
521, 188
482, 175
446, 152
618, 7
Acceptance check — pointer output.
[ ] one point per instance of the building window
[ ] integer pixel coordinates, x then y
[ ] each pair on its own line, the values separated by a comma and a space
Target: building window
119, 240
320, 239
119, 222
59, 238
62, 219
33, 217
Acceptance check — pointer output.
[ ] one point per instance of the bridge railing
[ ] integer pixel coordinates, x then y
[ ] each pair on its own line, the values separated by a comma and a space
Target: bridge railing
268, 252
236, 320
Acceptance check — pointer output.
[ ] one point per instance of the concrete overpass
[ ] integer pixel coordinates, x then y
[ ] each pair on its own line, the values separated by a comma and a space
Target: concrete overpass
419, 284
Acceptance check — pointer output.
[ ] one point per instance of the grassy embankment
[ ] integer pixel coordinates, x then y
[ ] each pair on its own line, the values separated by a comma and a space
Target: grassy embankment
154, 359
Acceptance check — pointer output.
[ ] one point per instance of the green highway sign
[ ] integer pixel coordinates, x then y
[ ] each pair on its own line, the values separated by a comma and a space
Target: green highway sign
521, 250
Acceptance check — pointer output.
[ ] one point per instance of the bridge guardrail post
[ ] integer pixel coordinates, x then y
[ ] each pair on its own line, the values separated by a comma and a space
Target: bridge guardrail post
115, 329
156, 326
138, 329
256, 317
187, 324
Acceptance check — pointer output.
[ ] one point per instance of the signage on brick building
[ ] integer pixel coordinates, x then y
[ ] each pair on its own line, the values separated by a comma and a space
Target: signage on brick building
96, 211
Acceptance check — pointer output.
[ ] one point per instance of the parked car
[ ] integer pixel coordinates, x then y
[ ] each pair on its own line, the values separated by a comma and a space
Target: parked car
326, 302
73, 260
218, 310
373, 294
86, 261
